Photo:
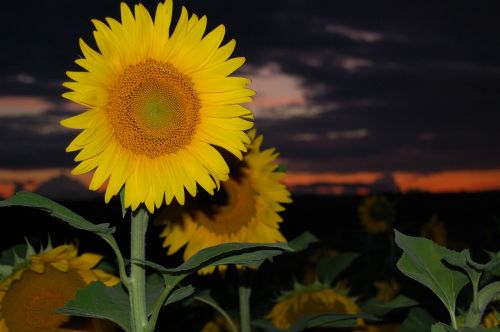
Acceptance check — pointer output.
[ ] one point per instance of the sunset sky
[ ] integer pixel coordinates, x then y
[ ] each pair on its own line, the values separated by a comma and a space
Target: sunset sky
358, 96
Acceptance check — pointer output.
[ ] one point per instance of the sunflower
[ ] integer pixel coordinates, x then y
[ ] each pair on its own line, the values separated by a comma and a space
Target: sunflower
386, 290
219, 324
43, 282
435, 231
245, 210
310, 300
376, 214
156, 105
491, 319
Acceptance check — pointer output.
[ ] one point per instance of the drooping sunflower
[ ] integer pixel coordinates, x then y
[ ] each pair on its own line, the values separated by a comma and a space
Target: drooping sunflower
245, 210
376, 214
40, 283
310, 300
157, 103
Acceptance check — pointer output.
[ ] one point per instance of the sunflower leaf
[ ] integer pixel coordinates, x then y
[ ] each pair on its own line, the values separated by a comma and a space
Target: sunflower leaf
180, 294
154, 286
440, 327
418, 320
379, 308
122, 202
329, 268
98, 300
422, 260
58, 211
245, 254
302, 242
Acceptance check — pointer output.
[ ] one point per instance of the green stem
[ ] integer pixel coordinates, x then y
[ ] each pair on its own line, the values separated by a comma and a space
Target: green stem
119, 258
244, 291
221, 311
484, 297
137, 280
475, 294
453, 319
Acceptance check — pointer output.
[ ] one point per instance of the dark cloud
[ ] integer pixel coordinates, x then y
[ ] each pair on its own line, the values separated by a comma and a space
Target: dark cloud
62, 187
428, 73
35, 141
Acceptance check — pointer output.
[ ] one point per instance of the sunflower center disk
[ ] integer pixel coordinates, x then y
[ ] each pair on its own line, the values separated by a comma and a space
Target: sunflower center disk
31, 302
154, 109
236, 213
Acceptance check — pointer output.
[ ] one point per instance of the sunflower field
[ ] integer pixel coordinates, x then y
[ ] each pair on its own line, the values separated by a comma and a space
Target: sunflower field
196, 229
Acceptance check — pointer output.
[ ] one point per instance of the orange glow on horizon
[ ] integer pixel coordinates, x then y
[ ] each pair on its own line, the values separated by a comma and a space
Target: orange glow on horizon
449, 181
32, 179
7, 189
306, 178
436, 182
327, 182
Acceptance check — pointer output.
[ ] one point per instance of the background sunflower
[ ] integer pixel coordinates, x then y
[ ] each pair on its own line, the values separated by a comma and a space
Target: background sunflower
314, 299
245, 210
377, 214
40, 283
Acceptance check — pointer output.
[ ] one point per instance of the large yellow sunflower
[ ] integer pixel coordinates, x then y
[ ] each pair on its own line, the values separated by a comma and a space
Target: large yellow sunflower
245, 210
30, 295
310, 300
157, 104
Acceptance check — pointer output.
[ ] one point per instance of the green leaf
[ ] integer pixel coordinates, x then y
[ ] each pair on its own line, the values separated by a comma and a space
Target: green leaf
154, 286
492, 265
281, 168
11, 259
329, 268
33, 200
440, 327
180, 294
480, 329
379, 308
487, 294
7, 256
422, 261
418, 320
302, 242
463, 260
122, 202
98, 300
246, 254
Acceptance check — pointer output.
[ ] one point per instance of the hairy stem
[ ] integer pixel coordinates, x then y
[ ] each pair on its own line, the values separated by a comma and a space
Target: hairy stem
137, 279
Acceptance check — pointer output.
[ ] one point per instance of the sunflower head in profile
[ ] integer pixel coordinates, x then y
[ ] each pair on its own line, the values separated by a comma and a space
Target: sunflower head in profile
311, 300
434, 230
37, 285
376, 214
244, 210
156, 103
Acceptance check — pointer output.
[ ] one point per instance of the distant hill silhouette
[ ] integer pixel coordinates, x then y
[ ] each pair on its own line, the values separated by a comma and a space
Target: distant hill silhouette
386, 184
63, 187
